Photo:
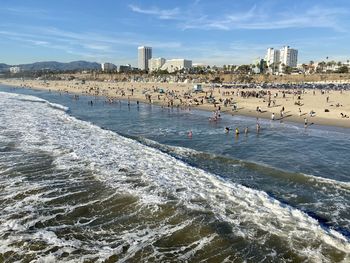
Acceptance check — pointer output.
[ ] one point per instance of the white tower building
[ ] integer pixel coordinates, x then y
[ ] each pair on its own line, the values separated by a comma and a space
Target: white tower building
277, 59
273, 59
289, 56
144, 55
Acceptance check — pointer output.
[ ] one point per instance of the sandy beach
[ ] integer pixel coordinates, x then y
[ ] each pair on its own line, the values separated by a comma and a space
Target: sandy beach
328, 107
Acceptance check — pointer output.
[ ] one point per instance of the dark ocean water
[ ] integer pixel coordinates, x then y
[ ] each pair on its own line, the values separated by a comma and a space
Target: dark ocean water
124, 183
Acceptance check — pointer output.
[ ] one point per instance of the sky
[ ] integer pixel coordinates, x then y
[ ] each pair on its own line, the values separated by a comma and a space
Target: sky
204, 31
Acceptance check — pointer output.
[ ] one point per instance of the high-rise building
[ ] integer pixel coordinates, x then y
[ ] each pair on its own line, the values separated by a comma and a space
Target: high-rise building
273, 58
277, 59
289, 56
144, 54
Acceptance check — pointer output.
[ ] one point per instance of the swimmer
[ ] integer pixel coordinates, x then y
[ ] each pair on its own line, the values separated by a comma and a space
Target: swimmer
227, 129
237, 131
190, 134
246, 130
257, 127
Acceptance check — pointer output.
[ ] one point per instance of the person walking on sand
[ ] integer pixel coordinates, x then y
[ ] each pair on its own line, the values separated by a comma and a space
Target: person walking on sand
273, 116
305, 122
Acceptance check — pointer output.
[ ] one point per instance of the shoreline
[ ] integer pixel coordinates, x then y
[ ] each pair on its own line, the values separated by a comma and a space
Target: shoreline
134, 91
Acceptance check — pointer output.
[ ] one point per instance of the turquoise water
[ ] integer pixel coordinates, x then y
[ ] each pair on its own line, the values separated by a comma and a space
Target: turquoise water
123, 182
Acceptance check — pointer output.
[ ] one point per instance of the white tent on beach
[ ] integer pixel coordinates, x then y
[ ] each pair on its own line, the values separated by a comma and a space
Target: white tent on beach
197, 88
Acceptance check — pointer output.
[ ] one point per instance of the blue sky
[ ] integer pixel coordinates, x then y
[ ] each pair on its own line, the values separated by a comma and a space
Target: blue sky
205, 31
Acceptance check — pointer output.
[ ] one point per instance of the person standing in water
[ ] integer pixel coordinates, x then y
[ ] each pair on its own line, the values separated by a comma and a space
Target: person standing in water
237, 131
190, 134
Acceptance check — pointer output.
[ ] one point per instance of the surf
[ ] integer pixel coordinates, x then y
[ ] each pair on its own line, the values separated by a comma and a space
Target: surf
170, 191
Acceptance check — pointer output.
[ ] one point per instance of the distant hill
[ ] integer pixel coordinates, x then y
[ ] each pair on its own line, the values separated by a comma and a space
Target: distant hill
54, 65
4, 67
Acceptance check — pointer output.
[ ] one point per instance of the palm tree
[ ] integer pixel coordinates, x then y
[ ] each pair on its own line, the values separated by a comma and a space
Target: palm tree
275, 66
321, 66
283, 67
304, 66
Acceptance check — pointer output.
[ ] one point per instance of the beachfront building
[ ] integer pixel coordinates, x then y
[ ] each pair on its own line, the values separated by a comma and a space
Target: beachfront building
289, 57
144, 55
259, 66
273, 59
155, 64
15, 69
199, 65
125, 68
173, 65
107, 66
277, 60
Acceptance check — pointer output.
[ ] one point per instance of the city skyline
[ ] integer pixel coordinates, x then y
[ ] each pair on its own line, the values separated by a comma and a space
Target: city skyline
203, 31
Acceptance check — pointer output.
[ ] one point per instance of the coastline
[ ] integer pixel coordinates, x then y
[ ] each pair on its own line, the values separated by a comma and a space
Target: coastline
184, 97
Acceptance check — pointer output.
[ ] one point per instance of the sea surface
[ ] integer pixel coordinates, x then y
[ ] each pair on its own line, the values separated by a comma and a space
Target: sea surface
124, 183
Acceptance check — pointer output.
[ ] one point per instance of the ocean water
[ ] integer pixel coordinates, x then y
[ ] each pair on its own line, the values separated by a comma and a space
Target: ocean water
124, 183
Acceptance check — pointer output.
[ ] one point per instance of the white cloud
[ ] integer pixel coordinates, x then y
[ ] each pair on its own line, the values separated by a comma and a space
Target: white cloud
256, 18
259, 19
86, 44
97, 47
23, 10
160, 13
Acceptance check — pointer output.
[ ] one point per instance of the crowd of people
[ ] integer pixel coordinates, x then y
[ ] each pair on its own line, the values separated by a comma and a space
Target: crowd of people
275, 101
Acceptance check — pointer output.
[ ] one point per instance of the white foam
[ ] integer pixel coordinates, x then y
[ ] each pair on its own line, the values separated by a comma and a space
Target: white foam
58, 106
113, 159
334, 183
28, 98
